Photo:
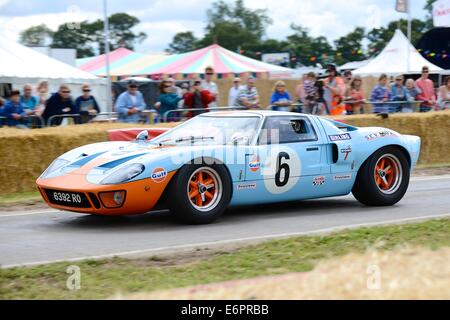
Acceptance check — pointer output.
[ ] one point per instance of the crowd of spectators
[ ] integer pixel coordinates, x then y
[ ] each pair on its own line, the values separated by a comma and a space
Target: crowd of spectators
335, 94
21, 107
330, 94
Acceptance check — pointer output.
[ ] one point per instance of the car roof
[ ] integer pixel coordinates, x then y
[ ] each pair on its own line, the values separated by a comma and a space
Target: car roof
248, 113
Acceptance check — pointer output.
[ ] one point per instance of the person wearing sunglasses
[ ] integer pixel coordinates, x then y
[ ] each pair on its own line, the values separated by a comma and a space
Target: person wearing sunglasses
168, 100
211, 86
59, 103
130, 103
86, 105
427, 95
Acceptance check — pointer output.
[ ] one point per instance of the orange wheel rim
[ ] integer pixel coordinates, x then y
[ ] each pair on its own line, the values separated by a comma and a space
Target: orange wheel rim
388, 174
204, 188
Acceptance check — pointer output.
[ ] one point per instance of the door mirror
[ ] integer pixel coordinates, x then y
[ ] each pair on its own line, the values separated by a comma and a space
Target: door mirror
142, 136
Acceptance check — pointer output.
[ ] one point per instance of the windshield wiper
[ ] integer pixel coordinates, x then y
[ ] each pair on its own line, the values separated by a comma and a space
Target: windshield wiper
193, 139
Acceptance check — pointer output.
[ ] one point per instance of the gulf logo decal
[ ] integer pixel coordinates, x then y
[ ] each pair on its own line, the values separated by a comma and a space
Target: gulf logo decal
159, 175
254, 165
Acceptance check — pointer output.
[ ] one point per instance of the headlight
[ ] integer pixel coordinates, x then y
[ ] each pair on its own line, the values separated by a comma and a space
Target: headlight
124, 174
56, 165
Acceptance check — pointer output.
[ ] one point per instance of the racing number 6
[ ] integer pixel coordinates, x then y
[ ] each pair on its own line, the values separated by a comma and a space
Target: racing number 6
282, 166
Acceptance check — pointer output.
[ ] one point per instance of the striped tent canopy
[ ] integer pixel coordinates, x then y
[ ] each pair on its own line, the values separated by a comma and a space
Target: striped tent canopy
124, 62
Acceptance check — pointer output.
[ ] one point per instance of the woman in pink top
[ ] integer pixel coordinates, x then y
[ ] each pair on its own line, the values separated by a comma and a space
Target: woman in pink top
427, 95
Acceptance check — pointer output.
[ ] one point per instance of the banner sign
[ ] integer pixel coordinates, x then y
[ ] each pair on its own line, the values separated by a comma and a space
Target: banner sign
441, 13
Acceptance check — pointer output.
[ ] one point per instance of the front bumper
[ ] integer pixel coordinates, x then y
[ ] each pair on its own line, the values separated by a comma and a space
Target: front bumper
140, 196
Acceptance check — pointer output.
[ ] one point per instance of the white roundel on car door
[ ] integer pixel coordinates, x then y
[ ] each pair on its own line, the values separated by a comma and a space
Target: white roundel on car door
281, 169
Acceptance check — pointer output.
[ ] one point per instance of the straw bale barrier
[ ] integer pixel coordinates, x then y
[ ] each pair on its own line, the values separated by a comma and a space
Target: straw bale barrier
24, 154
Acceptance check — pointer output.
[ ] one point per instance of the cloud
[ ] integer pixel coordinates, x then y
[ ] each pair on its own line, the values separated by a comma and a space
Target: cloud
162, 19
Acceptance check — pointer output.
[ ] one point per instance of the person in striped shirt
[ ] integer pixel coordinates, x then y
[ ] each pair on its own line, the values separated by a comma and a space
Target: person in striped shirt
248, 95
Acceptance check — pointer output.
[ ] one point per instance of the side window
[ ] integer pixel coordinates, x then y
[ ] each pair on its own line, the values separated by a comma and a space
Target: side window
287, 130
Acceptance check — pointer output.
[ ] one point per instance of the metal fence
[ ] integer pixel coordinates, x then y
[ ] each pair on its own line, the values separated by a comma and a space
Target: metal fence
165, 116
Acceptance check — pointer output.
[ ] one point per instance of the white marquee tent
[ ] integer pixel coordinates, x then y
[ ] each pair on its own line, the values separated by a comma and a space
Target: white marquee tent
393, 59
20, 65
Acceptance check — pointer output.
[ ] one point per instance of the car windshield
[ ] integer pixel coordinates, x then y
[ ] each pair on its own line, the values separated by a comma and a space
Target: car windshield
203, 130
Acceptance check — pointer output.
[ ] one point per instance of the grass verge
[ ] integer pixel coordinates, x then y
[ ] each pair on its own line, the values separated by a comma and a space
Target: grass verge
19, 198
106, 278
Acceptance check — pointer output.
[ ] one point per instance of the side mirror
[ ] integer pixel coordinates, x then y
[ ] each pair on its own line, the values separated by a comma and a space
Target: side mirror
142, 136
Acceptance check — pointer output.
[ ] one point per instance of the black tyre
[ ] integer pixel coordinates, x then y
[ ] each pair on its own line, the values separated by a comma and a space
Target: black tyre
383, 179
199, 193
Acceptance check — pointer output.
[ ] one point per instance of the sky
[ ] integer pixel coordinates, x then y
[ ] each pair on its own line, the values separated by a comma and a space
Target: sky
162, 19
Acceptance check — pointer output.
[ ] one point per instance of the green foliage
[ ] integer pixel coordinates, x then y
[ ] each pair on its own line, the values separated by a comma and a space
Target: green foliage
379, 37
36, 36
350, 47
88, 37
183, 42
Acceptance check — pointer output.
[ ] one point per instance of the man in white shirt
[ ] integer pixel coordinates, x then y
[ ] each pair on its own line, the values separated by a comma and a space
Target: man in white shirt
234, 92
211, 86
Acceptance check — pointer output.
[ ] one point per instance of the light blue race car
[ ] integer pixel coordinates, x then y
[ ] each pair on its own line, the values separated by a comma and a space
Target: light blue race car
222, 159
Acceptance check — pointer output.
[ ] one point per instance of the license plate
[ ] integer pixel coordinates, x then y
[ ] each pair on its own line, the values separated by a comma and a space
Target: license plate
67, 198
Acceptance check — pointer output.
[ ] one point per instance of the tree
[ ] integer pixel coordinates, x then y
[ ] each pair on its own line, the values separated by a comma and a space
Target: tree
88, 37
429, 18
308, 50
349, 47
379, 37
234, 26
39, 35
183, 42
77, 36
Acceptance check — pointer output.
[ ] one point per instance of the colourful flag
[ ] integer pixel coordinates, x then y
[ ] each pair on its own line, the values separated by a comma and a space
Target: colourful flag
402, 6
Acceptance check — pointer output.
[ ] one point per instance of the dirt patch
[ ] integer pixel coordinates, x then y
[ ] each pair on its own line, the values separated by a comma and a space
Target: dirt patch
402, 274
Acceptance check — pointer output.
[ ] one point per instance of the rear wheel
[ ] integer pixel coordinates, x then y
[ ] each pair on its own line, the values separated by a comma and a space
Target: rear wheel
199, 193
383, 178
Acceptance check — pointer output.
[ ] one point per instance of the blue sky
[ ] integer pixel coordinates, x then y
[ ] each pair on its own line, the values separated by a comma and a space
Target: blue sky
161, 19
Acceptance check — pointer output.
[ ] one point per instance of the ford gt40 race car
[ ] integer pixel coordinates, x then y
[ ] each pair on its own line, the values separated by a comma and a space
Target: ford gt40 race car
222, 159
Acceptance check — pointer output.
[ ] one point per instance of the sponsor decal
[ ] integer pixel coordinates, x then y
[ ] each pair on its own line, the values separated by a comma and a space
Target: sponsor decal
318, 181
346, 151
342, 177
254, 165
246, 186
378, 135
159, 175
340, 137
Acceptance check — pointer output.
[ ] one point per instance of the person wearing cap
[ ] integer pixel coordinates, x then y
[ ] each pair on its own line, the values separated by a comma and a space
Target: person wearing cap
14, 111
197, 98
211, 86
130, 103
427, 94
86, 104
248, 96
234, 91
399, 93
334, 91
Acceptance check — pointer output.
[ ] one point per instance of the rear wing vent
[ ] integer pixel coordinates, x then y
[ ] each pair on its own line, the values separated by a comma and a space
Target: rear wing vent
343, 126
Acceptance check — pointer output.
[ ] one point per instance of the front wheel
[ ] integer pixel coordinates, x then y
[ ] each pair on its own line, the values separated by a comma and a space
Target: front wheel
199, 193
383, 178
